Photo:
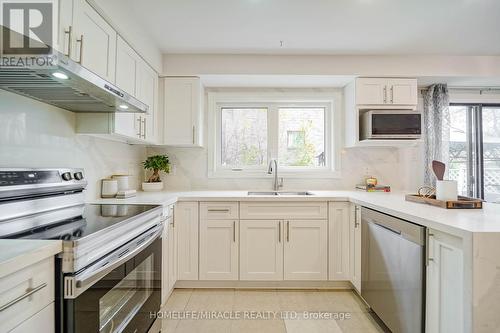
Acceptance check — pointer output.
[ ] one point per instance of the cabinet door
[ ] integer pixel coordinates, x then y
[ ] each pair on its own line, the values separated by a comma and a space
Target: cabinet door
186, 222
371, 91
339, 241
147, 92
172, 255
306, 248
183, 110
355, 246
165, 290
94, 43
402, 91
126, 77
261, 250
43, 321
65, 32
444, 301
219, 249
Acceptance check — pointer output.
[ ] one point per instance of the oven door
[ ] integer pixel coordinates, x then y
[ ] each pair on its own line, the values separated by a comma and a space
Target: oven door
395, 125
120, 293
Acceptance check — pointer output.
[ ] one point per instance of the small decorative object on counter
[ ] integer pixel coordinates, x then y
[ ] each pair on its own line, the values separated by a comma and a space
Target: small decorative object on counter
126, 194
374, 188
123, 182
109, 188
426, 195
371, 181
156, 164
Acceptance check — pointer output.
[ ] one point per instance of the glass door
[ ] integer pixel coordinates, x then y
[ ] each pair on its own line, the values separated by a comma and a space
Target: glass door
491, 152
474, 150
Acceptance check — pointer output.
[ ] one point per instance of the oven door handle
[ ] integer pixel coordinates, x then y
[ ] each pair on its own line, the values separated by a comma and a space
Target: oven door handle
89, 277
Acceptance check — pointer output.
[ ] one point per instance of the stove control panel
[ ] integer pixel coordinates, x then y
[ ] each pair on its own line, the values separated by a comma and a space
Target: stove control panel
37, 177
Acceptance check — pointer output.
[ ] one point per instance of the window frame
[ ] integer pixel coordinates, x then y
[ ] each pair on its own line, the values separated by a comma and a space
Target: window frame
331, 100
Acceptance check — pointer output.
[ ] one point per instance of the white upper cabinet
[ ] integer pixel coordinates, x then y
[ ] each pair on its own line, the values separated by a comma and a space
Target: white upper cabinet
93, 41
147, 92
64, 34
385, 91
183, 113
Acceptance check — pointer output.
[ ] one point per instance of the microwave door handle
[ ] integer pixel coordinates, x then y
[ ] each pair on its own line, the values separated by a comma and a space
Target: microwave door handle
87, 278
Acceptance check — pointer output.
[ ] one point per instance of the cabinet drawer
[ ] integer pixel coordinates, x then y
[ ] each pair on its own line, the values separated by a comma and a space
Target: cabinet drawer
218, 210
283, 210
43, 321
25, 292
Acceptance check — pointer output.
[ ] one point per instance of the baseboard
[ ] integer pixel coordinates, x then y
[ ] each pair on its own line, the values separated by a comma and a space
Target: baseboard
265, 284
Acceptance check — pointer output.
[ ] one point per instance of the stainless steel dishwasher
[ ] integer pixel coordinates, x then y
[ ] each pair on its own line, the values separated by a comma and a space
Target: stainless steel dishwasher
393, 270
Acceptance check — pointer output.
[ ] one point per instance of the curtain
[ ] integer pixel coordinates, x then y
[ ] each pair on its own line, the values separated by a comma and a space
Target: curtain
436, 127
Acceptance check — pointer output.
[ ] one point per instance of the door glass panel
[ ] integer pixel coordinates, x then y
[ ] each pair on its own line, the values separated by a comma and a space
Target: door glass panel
119, 305
491, 153
458, 163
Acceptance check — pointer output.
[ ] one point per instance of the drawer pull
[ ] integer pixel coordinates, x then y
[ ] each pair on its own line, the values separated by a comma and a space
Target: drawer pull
29, 292
218, 210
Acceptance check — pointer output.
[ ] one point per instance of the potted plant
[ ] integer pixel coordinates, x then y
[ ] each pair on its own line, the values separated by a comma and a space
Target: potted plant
156, 164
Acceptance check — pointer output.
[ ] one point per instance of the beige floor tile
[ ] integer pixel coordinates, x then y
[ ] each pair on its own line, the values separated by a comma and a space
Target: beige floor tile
298, 300
360, 322
258, 300
203, 326
302, 325
211, 300
342, 301
178, 300
258, 326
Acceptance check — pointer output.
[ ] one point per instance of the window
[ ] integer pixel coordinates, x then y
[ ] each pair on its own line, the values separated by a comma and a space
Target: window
247, 131
474, 150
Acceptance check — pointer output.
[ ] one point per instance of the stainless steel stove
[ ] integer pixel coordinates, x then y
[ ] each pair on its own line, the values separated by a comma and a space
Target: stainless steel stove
109, 274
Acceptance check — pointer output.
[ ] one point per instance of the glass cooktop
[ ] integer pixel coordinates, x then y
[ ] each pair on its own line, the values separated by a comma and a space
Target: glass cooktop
93, 218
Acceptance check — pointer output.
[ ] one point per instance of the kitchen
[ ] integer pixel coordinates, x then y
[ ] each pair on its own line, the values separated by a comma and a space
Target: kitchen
157, 177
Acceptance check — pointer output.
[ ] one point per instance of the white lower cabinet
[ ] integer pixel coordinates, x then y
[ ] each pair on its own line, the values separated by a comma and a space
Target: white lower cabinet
445, 284
306, 250
261, 250
172, 255
186, 222
339, 241
355, 245
41, 322
219, 242
169, 257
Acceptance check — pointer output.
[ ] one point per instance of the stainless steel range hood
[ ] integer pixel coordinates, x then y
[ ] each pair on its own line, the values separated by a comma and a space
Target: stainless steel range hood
70, 86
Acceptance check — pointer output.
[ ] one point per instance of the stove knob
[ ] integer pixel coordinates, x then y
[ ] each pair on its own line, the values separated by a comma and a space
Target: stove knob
66, 176
78, 175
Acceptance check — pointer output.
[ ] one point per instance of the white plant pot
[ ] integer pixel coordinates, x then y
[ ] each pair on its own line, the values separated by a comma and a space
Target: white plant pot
152, 187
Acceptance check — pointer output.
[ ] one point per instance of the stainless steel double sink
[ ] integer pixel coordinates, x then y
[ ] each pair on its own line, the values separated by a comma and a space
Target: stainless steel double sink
281, 193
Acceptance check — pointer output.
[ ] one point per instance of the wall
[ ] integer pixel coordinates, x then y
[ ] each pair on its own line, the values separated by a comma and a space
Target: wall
411, 66
399, 168
37, 135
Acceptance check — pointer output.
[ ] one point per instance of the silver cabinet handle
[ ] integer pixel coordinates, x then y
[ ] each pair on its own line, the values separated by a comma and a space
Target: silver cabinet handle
392, 94
279, 231
288, 231
81, 49
143, 121
140, 127
385, 94
428, 247
234, 231
214, 210
194, 131
356, 217
68, 33
28, 293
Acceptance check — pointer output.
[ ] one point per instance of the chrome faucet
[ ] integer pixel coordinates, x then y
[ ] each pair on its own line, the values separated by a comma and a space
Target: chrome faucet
273, 167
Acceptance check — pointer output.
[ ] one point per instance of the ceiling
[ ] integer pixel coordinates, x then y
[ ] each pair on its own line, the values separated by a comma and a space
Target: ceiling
374, 27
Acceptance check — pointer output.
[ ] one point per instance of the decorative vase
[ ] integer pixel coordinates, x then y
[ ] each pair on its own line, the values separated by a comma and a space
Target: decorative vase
152, 187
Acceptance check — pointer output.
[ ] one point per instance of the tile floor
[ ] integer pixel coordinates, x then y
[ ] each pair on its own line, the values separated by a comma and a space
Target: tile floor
262, 311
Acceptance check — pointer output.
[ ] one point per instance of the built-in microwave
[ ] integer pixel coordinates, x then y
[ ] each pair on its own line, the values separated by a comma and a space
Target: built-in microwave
390, 124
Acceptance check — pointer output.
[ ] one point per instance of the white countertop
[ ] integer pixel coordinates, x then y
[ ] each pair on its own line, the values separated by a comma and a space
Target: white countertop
15, 254
455, 221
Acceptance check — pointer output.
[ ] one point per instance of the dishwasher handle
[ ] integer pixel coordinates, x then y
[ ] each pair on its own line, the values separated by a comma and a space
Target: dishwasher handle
387, 228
